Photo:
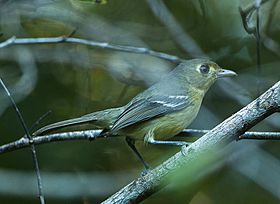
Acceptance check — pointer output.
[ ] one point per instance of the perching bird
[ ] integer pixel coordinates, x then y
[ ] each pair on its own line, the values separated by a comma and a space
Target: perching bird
158, 113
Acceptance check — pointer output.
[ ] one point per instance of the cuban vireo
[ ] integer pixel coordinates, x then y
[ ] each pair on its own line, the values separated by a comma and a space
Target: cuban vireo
161, 111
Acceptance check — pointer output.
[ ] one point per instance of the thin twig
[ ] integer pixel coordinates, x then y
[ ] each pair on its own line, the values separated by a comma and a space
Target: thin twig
260, 136
93, 134
246, 135
30, 142
67, 136
246, 15
258, 47
104, 45
258, 35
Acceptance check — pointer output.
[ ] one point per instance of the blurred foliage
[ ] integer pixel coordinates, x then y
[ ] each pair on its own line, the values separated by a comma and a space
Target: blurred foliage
71, 80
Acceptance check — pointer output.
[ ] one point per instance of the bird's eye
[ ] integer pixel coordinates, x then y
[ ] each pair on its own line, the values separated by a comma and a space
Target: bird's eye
204, 69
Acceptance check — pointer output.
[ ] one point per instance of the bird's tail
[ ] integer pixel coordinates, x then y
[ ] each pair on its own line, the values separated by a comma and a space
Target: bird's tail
101, 119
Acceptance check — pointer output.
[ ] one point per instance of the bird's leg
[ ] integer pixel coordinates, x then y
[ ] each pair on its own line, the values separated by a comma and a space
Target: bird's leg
149, 138
175, 143
131, 144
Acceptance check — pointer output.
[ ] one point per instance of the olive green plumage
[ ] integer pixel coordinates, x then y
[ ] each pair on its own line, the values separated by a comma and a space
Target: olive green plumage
158, 113
161, 111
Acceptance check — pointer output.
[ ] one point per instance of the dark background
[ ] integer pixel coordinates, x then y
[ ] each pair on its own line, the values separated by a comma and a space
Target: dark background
73, 79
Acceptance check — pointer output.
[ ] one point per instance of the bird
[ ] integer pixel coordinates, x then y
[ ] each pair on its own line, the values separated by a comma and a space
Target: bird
159, 112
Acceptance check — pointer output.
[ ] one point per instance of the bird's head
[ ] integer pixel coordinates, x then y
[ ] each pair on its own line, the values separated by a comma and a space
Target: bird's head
202, 73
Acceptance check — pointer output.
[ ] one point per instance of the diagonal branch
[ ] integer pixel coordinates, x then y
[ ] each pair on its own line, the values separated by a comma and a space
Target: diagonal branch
224, 133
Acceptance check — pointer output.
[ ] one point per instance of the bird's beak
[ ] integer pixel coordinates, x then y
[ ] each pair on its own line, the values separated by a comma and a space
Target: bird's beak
225, 73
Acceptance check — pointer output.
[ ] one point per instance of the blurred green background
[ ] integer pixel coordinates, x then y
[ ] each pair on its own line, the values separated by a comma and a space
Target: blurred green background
72, 79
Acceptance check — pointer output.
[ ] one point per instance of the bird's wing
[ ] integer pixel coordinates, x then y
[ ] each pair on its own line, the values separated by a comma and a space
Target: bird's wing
148, 108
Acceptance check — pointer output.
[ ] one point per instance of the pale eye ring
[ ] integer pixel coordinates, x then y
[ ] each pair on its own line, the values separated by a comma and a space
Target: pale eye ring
204, 69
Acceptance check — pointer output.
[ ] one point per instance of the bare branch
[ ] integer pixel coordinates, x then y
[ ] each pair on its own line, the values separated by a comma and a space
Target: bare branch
104, 45
30, 141
246, 135
24, 142
93, 134
224, 133
262, 136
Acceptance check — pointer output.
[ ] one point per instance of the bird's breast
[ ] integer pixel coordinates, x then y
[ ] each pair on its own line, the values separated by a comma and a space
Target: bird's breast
172, 124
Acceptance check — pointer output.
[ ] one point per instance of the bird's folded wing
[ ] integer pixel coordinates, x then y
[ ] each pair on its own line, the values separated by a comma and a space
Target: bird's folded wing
148, 108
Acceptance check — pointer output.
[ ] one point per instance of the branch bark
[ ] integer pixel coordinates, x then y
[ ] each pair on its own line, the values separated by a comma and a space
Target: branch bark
104, 45
94, 134
25, 142
224, 133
